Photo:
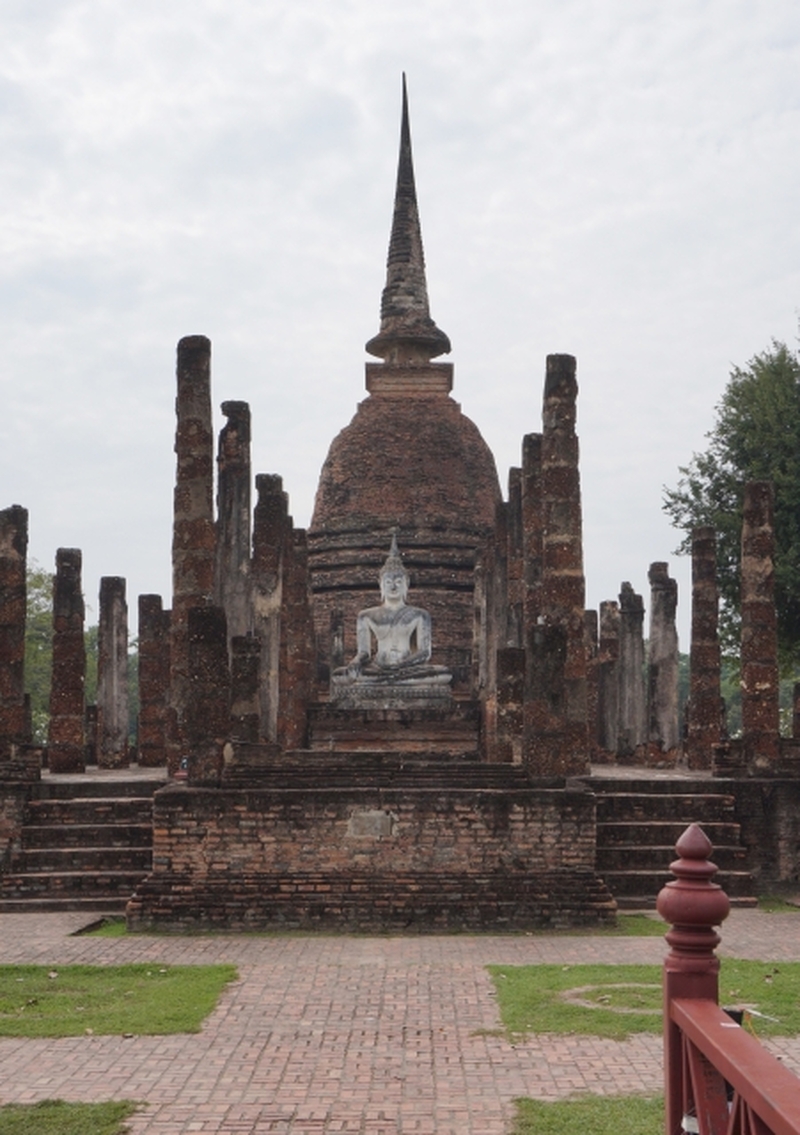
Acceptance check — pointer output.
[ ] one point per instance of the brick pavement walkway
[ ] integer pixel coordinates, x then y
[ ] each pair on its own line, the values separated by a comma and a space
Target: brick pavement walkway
346, 1034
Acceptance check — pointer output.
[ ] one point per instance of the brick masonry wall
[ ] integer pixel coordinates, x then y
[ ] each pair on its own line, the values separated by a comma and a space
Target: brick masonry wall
372, 858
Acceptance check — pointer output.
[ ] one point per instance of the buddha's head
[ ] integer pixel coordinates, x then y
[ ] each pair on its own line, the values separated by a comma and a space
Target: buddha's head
393, 576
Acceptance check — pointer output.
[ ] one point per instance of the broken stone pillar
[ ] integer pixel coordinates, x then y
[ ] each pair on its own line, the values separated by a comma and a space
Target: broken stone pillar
66, 739
112, 675
514, 555
590, 625
208, 716
13, 599
760, 701
662, 692
90, 728
245, 662
608, 678
556, 741
270, 523
704, 711
296, 643
490, 623
193, 539
510, 695
632, 732
154, 633
232, 560
532, 535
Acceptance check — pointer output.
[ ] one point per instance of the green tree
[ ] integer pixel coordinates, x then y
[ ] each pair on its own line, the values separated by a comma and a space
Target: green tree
756, 437
39, 647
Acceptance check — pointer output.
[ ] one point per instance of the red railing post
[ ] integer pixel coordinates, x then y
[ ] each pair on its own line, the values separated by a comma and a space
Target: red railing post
694, 906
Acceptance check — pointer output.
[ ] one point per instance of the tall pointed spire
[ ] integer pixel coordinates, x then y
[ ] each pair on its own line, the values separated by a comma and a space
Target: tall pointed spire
407, 334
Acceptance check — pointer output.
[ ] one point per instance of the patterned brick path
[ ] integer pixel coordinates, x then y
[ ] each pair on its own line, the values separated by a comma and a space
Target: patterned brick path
346, 1034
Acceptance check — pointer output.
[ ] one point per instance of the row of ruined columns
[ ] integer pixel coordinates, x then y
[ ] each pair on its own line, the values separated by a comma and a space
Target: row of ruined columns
562, 687
209, 667
240, 638
530, 593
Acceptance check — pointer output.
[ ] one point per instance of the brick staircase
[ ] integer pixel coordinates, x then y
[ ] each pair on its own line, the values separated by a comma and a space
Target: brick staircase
639, 822
86, 844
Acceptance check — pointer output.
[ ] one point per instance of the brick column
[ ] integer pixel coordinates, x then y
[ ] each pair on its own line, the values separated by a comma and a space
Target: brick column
510, 693
13, 599
662, 692
208, 716
296, 644
556, 676
705, 703
760, 708
193, 540
153, 680
269, 535
608, 677
514, 556
232, 561
632, 733
245, 662
590, 625
112, 675
66, 740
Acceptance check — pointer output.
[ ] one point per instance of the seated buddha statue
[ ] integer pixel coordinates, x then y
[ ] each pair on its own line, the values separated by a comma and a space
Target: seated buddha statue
401, 635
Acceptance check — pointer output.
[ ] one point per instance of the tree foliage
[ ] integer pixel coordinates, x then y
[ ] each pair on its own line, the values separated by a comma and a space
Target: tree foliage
756, 437
39, 647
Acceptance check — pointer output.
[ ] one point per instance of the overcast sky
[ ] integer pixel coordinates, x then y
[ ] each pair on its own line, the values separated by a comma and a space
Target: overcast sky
617, 180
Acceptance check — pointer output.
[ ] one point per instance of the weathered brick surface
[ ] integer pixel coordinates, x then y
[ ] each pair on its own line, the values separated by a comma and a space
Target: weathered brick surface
13, 564
632, 730
271, 525
208, 708
372, 857
662, 674
556, 736
608, 679
414, 463
704, 711
112, 675
66, 737
232, 555
154, 634
193, 537
759, 649
245, 668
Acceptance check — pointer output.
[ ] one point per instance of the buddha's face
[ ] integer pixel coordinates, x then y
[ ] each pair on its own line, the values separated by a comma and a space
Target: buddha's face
394, 585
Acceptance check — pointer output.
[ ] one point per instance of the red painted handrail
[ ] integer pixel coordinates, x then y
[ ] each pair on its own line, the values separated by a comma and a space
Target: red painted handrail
760, 1083
718, 1080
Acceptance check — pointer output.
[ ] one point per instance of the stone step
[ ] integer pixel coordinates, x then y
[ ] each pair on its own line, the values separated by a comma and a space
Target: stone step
70, 903
39, 836
422, 901
648, 902
65, 884
54, 787
648, 883
664, 833
97, 860
683, 808
647, 856
90, 810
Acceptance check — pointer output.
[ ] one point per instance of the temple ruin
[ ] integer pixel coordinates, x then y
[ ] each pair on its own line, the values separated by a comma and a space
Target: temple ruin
404, 716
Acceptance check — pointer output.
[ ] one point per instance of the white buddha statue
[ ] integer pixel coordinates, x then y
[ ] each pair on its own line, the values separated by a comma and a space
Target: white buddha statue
401, 635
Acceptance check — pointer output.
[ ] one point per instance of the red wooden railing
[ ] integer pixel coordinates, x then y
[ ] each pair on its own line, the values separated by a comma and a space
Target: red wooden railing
718, 1080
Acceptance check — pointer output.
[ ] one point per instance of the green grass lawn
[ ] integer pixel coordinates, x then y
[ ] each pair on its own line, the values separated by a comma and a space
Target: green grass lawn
56, 1117
37, 1001
615, 1001
591, 1115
